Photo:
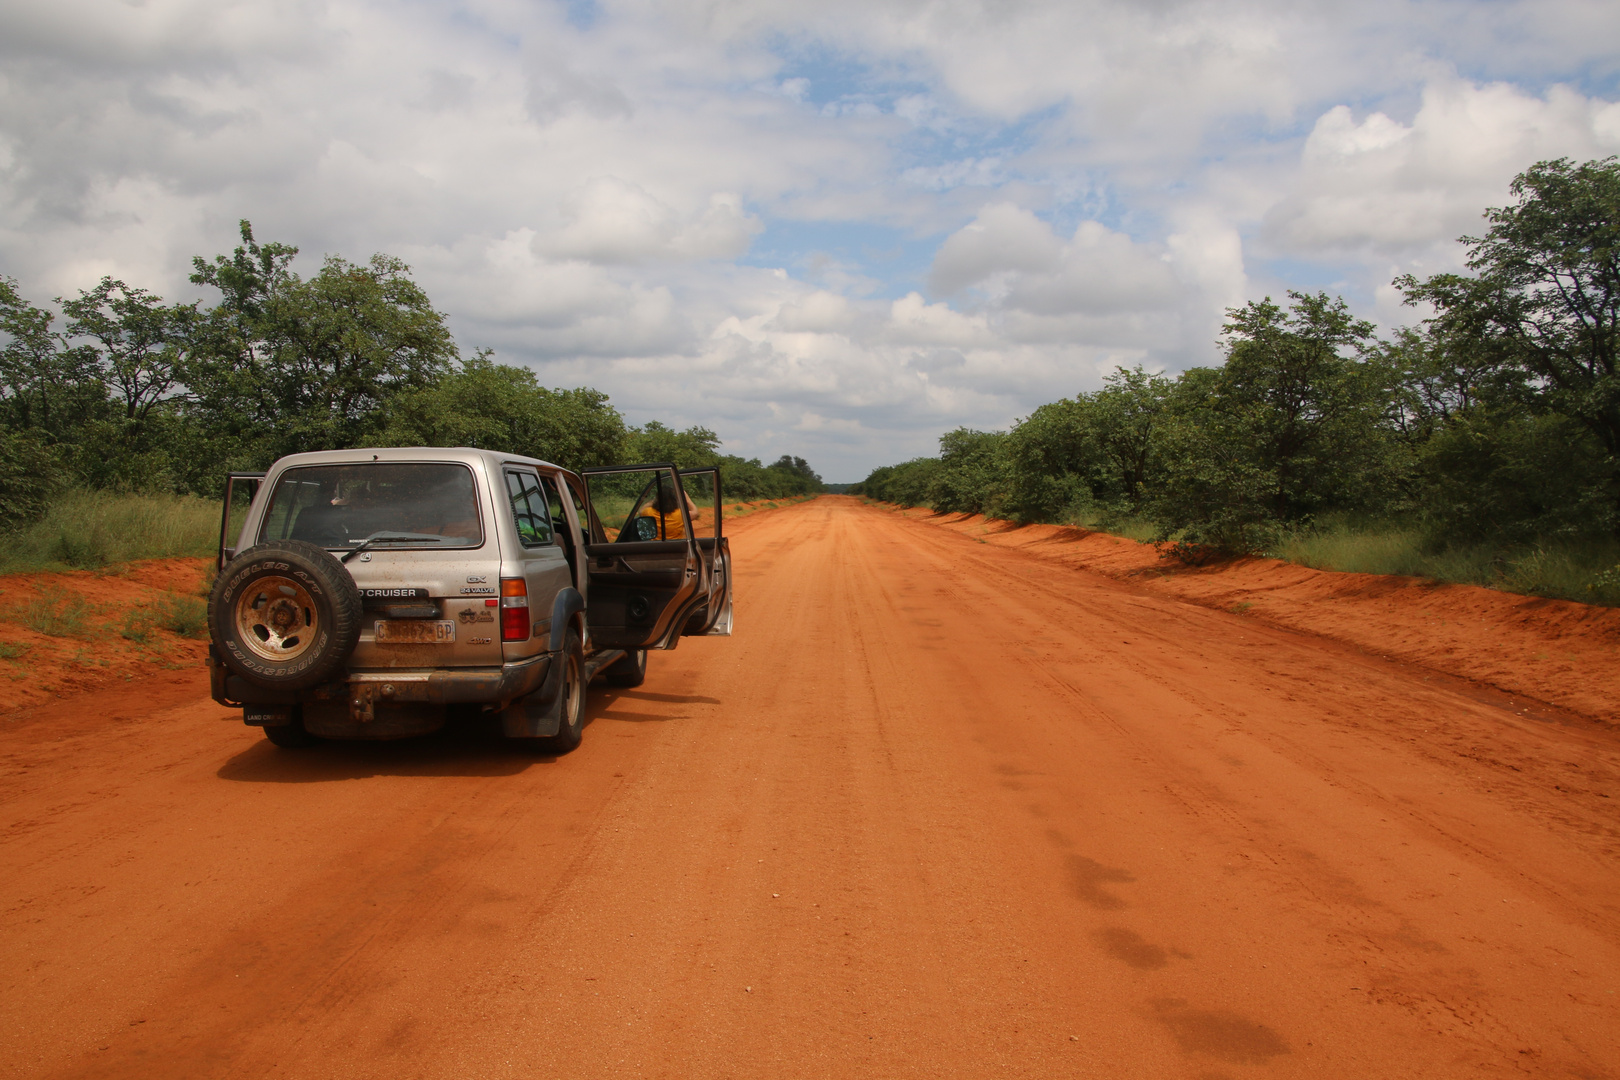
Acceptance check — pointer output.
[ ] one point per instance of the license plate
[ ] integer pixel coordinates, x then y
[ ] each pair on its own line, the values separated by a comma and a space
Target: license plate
415, 632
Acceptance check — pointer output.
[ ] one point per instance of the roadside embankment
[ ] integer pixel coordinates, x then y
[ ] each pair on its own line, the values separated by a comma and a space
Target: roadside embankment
64, 633
1555, 652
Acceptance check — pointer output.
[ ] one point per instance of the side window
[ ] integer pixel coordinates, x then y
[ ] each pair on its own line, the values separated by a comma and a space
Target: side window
528, 508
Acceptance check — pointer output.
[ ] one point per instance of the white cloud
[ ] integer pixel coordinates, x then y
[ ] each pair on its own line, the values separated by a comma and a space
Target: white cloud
611, 220
591, 201
1003, 238
1395, 191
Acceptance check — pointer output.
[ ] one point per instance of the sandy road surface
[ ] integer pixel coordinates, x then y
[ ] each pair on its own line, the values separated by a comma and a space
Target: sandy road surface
938, 810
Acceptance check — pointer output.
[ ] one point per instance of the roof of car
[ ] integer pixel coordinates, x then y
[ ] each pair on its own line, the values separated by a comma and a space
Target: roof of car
466, 455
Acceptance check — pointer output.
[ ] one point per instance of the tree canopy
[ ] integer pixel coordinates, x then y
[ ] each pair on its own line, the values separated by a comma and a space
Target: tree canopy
1497, 417
125, 391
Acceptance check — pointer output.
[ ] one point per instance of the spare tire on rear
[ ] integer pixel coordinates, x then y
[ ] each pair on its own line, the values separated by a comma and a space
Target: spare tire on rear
284, 615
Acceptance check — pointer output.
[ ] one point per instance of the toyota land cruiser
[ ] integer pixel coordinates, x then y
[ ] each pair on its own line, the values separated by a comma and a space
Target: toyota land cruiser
371, 594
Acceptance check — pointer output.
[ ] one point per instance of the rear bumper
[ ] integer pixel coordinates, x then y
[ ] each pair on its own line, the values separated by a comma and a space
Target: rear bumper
442, 686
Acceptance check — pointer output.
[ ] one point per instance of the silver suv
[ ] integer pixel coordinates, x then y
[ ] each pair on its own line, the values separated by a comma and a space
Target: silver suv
372, 594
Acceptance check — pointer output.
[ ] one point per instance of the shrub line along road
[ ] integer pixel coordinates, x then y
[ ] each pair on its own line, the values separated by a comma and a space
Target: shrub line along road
938, 809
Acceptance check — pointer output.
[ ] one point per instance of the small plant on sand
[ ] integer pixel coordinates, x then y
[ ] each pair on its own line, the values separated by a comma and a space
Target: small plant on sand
63, 616
10, 650
184, 615
138, 625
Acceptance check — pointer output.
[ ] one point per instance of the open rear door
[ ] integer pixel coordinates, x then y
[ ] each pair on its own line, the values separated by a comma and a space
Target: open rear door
702, 487
240, 488
647, 574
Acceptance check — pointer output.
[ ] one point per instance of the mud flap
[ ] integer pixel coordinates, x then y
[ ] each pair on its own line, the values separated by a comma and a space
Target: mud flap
539, 715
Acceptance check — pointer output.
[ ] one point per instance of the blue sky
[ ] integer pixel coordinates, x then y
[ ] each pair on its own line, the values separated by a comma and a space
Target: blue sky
833, 229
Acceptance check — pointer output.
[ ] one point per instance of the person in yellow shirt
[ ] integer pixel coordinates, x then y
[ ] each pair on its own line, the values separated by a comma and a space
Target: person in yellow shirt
667, 516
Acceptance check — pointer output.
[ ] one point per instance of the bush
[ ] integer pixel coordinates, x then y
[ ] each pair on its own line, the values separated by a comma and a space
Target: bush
184, 615
29, 476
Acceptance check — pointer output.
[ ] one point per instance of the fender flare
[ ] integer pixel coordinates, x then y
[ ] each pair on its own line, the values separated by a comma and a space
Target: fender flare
563, 609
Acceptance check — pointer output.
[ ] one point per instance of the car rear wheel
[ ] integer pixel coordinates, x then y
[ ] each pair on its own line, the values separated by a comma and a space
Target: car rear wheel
571, 695
284, 615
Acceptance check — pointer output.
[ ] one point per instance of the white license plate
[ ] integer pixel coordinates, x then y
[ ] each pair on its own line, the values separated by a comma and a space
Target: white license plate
415, 632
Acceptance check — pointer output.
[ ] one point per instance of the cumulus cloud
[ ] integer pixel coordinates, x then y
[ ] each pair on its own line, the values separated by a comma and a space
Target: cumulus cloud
824, 227
611, 220
1379, 186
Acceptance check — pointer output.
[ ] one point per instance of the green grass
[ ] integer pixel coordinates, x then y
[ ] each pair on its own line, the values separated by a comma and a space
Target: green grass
1138, 529
10, 651
179, 613
90, 529
61, 616
138, 626
1588, 571
184, 615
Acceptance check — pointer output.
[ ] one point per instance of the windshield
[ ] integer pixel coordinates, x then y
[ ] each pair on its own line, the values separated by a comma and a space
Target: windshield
339, 506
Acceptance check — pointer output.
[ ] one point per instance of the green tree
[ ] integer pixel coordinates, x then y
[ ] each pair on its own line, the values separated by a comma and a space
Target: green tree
1126, 414
29, 476
908, 484
693, 448
795, 476
1309, 414
969, 480
1215, 493
46, 385
1544, 297
287, 364
1050, 460
499, 407
138, 341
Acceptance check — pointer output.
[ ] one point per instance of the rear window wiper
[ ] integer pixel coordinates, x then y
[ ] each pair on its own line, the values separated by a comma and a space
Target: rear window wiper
386, 537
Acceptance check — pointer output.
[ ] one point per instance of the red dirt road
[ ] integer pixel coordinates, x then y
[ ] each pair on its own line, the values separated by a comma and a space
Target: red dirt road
940, 809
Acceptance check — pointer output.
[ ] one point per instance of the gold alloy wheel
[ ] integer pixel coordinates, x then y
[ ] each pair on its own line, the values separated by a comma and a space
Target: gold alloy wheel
276, 618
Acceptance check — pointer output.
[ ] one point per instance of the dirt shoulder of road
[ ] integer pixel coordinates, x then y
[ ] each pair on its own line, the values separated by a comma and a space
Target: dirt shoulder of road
1555, 652
67, 633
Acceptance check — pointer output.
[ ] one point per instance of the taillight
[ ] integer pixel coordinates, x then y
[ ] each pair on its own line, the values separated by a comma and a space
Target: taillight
514, 609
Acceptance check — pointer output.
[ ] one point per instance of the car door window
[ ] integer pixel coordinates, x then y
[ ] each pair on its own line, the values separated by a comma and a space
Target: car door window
529, 509
640, 506
702, 488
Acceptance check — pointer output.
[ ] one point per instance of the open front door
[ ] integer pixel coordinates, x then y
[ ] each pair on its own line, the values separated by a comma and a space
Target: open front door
702, 487
647, 574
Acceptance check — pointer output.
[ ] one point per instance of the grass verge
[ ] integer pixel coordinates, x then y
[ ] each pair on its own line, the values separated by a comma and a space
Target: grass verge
1587, 571
84, 530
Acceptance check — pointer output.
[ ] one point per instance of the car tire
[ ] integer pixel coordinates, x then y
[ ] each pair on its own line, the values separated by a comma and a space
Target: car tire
570, 698
289, 736
284, 615
629, 670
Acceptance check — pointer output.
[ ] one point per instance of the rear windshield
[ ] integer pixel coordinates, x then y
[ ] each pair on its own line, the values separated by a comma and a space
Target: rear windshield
406, 504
